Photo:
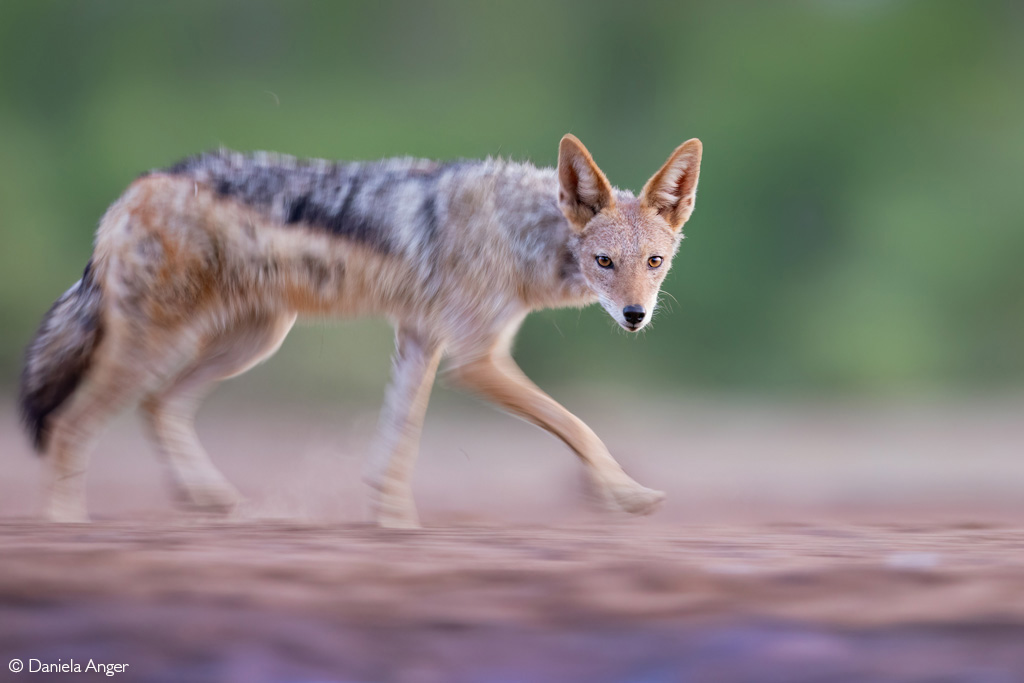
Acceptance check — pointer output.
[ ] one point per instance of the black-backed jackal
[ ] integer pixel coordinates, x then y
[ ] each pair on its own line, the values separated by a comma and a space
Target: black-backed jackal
200, 270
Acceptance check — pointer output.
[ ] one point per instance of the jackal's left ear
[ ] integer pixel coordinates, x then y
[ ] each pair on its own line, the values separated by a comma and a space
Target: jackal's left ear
673, 190
583, 191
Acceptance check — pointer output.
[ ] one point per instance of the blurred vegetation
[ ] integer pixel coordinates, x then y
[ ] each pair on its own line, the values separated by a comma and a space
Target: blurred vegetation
859, 224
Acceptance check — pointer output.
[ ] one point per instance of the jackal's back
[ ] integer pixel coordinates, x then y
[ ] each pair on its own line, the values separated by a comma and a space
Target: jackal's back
389, 205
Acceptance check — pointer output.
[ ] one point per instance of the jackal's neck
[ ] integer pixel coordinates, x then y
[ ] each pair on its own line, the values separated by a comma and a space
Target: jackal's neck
571, 287
544, 248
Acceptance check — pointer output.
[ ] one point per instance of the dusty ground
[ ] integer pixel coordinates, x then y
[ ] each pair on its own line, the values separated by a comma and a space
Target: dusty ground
830, 543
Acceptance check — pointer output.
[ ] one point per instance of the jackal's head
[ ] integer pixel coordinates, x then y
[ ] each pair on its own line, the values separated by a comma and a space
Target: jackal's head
625, 244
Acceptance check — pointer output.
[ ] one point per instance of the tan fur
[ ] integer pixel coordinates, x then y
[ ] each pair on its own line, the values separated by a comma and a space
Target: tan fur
584, 190
198, 286
672, 191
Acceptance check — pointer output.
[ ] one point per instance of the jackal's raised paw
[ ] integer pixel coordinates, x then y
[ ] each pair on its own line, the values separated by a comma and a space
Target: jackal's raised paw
627, 496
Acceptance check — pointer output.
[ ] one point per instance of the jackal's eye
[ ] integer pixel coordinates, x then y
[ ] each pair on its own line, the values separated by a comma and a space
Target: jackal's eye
654, 261
604, 261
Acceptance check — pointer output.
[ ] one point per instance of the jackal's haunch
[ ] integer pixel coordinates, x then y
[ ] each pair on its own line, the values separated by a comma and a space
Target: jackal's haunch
200, 270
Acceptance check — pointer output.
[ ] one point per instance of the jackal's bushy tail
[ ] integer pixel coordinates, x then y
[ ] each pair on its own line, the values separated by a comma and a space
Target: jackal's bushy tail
59, 355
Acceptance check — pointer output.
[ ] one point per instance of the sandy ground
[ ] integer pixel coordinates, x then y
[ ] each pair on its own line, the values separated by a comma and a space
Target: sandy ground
824, 543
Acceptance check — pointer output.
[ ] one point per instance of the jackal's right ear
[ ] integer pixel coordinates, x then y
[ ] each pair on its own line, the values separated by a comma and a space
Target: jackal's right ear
583, 191
673, 189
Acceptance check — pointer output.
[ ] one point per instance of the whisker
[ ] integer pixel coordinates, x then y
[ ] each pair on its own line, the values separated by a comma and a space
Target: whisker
665, 303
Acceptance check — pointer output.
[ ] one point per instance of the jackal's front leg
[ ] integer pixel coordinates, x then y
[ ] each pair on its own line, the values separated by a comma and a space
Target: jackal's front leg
389, 472
497, 378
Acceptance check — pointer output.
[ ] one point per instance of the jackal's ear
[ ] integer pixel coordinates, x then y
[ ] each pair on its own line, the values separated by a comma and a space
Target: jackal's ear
583, 191
672, 190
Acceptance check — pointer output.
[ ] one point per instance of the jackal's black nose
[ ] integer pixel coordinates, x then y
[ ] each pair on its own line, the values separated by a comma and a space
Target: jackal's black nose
634, 315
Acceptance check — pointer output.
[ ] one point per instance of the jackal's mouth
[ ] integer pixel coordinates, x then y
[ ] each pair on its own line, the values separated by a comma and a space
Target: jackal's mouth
621, 320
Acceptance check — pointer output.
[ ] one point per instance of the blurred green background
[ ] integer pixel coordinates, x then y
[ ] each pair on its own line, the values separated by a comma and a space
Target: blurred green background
859, 224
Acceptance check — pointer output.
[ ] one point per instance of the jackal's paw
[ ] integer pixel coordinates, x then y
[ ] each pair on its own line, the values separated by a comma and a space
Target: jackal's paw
399, 521
65, 512
629, 497
393, 511
219, 499
638, 500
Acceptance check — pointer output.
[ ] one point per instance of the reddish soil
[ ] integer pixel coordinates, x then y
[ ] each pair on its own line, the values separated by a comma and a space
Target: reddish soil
838, 544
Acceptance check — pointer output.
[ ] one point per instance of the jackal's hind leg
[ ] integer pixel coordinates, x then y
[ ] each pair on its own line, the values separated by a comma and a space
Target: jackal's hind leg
496, 377
389, 471
169, 413
124, 368
74, 434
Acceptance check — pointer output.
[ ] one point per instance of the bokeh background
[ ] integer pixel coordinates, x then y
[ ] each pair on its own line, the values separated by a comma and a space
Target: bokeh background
859, 224
831, 399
